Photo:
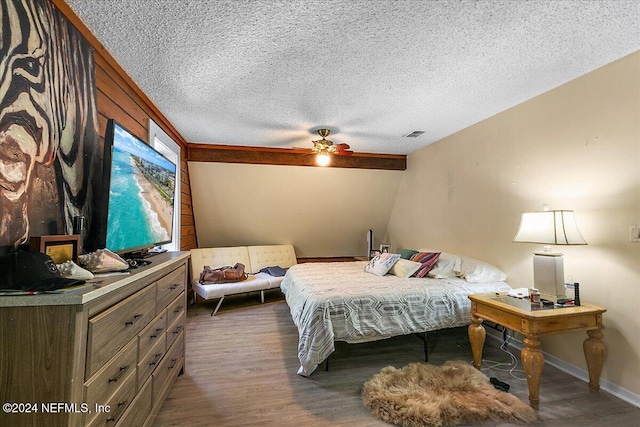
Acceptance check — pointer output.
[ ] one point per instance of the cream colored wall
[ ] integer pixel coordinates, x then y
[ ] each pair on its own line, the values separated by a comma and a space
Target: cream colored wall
323, 212
575, 147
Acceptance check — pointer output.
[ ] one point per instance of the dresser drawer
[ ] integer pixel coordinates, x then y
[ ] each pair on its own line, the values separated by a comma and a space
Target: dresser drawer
176, 309
111, 377
174, 330
170, 286
117, 404
110, 330
150, 361
139, 410
153, 333
168, 369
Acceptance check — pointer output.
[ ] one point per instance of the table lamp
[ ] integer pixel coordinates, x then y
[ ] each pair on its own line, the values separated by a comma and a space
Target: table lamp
549, 227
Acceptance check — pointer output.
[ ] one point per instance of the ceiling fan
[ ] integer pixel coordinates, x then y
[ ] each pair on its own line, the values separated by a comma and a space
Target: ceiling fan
325, 147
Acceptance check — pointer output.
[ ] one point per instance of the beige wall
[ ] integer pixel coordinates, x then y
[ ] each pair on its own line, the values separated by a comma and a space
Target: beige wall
575, 147
323, 212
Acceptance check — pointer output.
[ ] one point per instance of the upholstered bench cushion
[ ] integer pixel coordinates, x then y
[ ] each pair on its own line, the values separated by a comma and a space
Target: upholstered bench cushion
270, 256
218, 257
218, 290
274, 282
254, 258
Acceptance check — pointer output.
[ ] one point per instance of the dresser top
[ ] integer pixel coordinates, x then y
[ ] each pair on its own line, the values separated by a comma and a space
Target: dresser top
97, 287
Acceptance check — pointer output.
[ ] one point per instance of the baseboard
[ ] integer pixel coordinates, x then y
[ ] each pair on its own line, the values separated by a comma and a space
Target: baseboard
609, 387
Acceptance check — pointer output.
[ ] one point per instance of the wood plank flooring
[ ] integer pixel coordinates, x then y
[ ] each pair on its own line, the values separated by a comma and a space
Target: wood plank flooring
241, 371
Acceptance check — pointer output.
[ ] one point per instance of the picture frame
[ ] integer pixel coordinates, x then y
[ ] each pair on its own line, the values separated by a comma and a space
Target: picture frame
385, 248
61, 248
374, 253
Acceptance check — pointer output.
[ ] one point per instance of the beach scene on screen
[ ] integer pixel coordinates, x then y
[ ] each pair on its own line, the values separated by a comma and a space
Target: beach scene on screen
140, 196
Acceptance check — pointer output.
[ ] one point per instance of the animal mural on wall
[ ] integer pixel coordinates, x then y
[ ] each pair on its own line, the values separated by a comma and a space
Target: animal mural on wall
49, 145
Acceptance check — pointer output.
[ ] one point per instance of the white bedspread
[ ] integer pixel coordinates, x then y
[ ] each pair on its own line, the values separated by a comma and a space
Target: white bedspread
340, 302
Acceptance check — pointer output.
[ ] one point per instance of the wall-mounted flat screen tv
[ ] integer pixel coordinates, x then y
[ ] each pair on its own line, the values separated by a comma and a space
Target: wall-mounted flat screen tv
141, 188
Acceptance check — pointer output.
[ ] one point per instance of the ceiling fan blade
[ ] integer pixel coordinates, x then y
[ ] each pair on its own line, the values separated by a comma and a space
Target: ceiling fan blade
342, 152
342, 146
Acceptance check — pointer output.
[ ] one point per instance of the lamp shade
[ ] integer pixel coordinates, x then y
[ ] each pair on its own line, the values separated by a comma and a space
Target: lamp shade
554, 227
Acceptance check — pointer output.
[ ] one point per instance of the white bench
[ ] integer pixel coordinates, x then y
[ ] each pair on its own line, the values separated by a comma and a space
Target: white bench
254, 258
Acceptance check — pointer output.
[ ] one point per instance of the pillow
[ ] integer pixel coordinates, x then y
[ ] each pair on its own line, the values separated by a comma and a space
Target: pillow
407, 253
475, 271
428, 250
404, 268
427, 259
447, 266
381, 263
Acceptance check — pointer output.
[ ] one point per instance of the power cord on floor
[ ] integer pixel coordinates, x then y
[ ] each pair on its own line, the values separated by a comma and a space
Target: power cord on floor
510, 366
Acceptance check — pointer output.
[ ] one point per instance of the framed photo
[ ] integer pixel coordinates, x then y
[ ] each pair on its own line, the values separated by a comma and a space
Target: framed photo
60, 248
385, 248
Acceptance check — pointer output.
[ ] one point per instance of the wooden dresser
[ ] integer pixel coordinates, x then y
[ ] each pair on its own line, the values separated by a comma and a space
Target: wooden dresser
102, 355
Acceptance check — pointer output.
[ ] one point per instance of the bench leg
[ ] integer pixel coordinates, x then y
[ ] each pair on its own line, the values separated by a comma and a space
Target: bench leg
215, 310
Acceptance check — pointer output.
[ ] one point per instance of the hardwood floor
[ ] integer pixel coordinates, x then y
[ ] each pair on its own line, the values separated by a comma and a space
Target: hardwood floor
241, 371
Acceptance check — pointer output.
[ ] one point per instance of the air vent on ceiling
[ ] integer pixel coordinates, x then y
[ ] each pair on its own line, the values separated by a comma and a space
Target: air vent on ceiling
414, 134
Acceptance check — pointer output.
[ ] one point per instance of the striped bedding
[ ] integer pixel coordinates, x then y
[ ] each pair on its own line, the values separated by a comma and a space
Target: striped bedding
340, 302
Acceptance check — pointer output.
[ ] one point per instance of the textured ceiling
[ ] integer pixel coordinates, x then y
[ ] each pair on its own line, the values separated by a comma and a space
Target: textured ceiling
269, 73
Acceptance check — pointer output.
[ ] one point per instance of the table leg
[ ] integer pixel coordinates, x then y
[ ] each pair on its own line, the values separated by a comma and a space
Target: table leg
477, 336
532, 361
594, 350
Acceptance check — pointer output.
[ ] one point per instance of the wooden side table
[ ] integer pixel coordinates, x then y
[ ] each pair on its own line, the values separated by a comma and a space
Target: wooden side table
518, 315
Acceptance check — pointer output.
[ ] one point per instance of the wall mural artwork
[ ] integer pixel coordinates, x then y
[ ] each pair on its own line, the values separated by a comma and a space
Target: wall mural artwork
49, 147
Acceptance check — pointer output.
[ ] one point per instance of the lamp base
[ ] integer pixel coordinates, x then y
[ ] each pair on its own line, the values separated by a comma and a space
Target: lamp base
548, 276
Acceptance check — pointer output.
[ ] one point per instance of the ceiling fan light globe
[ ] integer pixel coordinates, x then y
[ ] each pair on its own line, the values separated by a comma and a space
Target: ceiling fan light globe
323, 159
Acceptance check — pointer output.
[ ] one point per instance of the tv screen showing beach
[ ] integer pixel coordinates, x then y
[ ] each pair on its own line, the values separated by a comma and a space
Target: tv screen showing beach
141, 192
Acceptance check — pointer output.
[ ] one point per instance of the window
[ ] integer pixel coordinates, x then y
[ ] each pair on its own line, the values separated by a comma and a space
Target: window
171, 150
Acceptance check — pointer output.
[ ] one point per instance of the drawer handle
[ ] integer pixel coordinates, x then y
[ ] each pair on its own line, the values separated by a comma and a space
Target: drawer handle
178, 309
178, 329
173, 363
120, 409
115, 379
135, 319
156, 334
156, 359
175, 286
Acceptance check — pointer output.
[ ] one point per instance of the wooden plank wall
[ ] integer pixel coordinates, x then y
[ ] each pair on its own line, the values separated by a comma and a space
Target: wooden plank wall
119, 98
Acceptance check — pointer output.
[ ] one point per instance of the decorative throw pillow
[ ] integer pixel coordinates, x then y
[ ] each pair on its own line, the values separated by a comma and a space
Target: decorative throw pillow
407, 253
381, 263
427, 259
404, 268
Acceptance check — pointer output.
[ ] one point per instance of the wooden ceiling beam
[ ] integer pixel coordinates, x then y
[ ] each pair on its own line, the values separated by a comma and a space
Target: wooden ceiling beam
290, 157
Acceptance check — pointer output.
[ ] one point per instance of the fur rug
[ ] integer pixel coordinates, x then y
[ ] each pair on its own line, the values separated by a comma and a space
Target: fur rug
452, 394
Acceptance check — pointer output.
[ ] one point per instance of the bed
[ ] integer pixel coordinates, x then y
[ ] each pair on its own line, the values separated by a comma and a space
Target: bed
339, 301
